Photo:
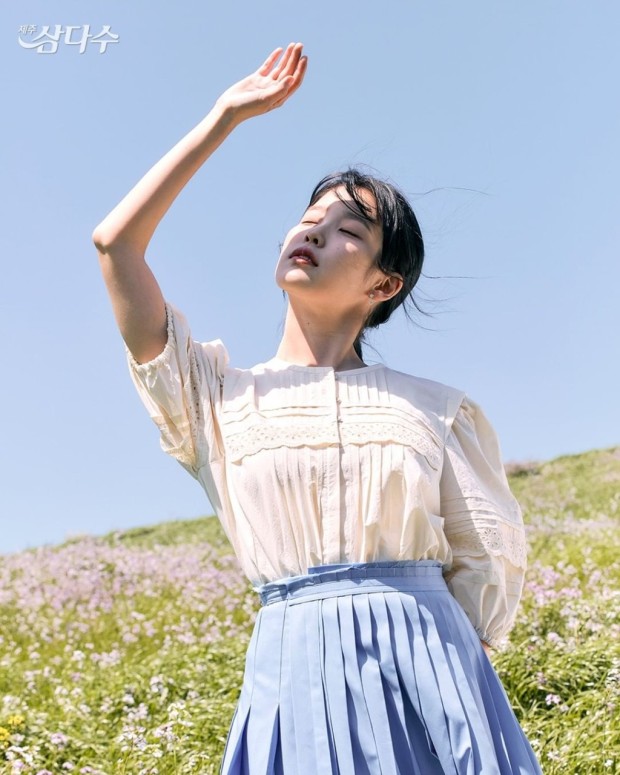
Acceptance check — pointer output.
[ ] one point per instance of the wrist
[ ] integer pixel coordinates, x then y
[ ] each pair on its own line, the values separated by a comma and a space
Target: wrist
226, 113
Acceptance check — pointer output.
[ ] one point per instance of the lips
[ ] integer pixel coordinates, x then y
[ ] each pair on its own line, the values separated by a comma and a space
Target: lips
305, 253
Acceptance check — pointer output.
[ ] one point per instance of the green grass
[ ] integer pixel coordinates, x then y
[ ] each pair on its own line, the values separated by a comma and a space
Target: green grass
125, 654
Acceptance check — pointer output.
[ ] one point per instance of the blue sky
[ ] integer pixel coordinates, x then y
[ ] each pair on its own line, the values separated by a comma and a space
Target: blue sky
500, 121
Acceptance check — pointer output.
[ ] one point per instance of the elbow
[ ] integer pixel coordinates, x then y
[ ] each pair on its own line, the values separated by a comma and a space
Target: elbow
101, 239
105, 240
113, 247
107, 236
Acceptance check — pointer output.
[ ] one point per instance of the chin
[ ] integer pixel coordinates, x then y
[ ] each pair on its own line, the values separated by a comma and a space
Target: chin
292, 277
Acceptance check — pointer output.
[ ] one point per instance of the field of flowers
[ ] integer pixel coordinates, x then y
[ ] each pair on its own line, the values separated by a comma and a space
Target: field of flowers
125, 654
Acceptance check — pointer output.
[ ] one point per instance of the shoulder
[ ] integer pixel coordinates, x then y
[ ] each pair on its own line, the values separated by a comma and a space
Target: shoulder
427, 386
441, 400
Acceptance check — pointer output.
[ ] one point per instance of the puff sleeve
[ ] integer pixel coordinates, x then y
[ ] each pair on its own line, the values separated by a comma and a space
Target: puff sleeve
483, 525
181, 390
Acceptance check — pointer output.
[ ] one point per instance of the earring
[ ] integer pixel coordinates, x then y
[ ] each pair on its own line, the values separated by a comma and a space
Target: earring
371, 296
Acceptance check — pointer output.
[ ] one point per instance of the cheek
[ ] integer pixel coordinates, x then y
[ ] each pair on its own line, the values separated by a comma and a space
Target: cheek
287, 239
284, 251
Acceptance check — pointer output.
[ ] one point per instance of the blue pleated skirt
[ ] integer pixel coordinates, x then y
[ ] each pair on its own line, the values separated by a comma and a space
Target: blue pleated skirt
370, 669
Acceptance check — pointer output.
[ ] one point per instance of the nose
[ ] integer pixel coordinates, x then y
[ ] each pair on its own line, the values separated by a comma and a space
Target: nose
314, 235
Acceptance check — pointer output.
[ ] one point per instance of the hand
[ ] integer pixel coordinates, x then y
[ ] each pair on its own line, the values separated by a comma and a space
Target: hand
486, 647
269, 86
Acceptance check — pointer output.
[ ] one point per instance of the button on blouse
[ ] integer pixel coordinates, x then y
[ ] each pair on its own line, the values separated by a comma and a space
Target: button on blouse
306, 466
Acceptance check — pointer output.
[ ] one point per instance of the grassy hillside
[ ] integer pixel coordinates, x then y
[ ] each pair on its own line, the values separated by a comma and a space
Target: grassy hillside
125, 653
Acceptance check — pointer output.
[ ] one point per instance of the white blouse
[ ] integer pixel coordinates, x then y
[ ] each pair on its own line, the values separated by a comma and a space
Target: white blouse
306, 466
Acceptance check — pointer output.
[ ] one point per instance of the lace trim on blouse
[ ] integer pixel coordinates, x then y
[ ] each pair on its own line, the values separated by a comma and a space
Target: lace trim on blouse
254, 438
195, 414
477, 534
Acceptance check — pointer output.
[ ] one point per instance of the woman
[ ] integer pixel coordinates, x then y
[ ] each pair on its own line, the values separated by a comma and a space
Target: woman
369, 508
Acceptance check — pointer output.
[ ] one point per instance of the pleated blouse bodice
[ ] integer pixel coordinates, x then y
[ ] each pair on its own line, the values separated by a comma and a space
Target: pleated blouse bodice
308, 466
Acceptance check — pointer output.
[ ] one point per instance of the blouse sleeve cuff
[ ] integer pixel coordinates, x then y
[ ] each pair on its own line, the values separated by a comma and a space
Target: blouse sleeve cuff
493, 642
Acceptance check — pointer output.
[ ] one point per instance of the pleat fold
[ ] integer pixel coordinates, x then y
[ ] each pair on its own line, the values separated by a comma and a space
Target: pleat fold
367, 679
338, 696
254, 734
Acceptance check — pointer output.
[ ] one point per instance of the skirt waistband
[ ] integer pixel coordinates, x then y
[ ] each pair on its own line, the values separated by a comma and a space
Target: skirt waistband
324, 581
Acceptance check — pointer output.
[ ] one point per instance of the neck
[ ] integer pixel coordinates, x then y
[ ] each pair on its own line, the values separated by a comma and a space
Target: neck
315, 339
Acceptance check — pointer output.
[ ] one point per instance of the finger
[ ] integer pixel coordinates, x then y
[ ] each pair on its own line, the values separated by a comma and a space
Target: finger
297, 77
288, 87
275, 74
300, 70
268, 63
292, 82
284, 61
293, 61
290, 65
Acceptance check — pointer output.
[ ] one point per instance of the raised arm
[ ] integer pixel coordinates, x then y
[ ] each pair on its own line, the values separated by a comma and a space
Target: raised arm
122, 237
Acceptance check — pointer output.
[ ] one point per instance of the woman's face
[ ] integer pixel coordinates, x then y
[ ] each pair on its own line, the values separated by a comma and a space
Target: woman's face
329, 257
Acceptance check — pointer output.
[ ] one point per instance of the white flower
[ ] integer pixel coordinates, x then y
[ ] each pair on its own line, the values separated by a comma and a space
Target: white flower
57, 738
156, 684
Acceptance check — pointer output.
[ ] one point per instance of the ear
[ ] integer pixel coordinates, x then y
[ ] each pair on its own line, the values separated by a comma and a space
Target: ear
388, 287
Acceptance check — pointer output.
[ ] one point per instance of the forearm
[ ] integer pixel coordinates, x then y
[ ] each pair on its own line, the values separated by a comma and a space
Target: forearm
123, 235
133, 221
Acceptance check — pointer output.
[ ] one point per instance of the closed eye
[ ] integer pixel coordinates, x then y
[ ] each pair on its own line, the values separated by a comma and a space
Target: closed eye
344, 231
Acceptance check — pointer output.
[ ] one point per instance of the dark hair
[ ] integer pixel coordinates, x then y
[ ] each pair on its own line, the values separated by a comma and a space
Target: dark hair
402, 251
